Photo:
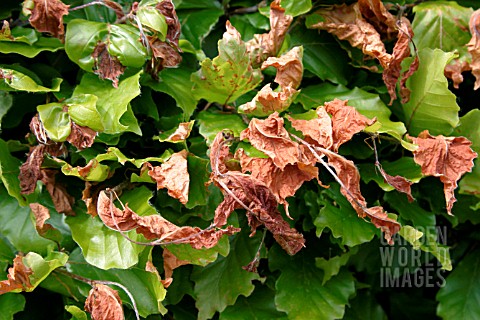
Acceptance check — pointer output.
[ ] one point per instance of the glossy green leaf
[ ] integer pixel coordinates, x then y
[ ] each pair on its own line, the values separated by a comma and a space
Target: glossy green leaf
368, 104
229, 75
27, 42
220, 283
12, 80
212, 122
260, 305
200, 257
55, 121
331, 267
442, 25
122, 41
296, 7
198, 169
338, 215
145, 286
42, 267
9, 171
76, 312
106, 248
364, 306
405, 167
152, 18
432, 106
10, 304
458, 299
112, 102
250, 24
197, 18
18, 226
82, 109
299, 289
176, 83
6, 103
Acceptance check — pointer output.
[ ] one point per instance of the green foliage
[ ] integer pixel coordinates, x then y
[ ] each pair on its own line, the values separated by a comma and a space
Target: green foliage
139, 103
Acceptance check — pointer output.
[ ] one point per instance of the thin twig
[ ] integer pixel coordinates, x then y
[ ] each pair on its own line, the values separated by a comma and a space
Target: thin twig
86, 5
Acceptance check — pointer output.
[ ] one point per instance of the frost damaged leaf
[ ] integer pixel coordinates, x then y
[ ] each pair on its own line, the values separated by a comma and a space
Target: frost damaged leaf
317, 131
61, 199
170, 262
178, 134
173, 175
47, 16
398, 182
445, 157
81, 137
289, 67
346, 121
156, 227
104, 303
229, 75
474, 46
106, 66
268, 101
18, 278
268, 44
41, 214
30, 170
270, 137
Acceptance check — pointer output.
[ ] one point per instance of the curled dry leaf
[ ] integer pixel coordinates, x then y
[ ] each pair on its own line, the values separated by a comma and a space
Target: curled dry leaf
289, 67
346, 121
61, 199
104, 303
30, 170
41, 214
376, 14
167, 9
17, 277
445, 157
106, 65
267, 101
181, 133
474, 46
47, 16
81, 137
268, 44
173, 175
270, 137
398, 182
156, 227
454, 71
317, 131
170, 262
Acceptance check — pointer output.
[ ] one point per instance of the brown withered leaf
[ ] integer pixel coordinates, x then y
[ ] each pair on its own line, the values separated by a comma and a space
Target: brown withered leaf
182, 132
289, 67
346, 121
376, 14
350, 178
445, 157
262, 209
107, 66
220, 153
47, 16
283, 183
398, 182
41, 214
30, 170
167, 9
117, 8
170, 262
267, 101
17, 277
270, 136
62, 200
5, 32
37, 128
404, 91
173, 175
164, 56
104, 303
268, 44
81, 137
474, 46
317, 131
157, 227
454, 70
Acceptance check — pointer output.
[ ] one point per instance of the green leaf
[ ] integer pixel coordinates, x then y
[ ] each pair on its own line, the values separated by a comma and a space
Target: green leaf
55, 120
458, 299
6, 103
122, 41
405, 167
9, 171
11, 303
12, 80
211, 123
338, 215
332, 266
197, 18
220, 283
106, 248
229, 75
368, 104
176, 83
112, 102
200, 257
442, 25
27, 42
42, 267
296, 7
145, 286
260, 305
82, 109
18, 226
322, 55
152, 18
432, 106
76, 312
364, 306
299, 289
250, 24
199, 176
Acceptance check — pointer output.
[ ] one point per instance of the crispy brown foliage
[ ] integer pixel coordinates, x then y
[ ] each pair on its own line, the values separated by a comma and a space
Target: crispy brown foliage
107, 66
182, 132
173, 175
41, 214
474, 46
454, 71
61, 199
30, 170
47, 16
445, 157
317, 131
289, 68
268, 44
398, 182
104, 303
170, 262
17, 277
81, 137
167, 9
